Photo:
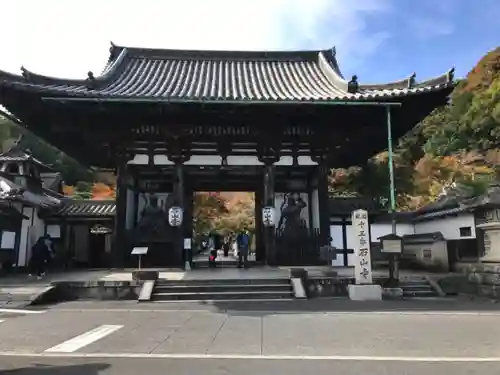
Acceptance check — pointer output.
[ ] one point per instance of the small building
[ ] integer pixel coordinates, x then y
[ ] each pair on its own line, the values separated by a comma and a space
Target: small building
82, 231
469, 225
22, 195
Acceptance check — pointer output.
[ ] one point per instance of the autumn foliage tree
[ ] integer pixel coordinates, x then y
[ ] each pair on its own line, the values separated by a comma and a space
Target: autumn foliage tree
102, 191
240, 213
458, 144
208, 207
223, 212
69, 191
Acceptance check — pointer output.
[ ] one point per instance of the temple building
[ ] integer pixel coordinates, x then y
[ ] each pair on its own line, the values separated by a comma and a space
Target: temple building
173, 122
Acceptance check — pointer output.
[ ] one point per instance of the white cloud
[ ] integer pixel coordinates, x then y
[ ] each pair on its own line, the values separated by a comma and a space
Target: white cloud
69, 38
430, 27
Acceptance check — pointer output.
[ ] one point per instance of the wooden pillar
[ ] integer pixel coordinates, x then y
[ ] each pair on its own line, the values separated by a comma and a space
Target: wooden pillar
269, 232
324, 206
179, 201
188, 216
260, 249
119, 248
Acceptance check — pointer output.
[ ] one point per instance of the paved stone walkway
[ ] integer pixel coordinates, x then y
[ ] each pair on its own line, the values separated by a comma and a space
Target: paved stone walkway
429, 334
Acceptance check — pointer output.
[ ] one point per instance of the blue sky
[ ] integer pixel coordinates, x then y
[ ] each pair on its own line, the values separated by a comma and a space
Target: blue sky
379, 40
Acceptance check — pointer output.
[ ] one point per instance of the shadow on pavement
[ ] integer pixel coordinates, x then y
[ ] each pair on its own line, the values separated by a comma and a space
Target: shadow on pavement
45, 369
344, 305
261, 308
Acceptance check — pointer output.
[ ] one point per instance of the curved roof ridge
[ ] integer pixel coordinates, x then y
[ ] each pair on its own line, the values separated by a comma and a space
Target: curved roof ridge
108, 73
331, 56
410, 82
443, 79
397, 84
330, 68
8, 76
46, 79
141, 52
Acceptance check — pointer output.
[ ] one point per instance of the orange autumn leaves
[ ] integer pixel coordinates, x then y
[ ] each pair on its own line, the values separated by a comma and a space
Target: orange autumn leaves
98, 191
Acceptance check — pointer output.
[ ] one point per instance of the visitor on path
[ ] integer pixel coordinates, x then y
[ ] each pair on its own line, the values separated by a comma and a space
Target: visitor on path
226, 246
51, 254
212, 251
243, 241
40, 254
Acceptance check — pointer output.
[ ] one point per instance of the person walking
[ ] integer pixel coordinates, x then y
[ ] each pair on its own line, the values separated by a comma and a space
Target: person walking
243, 241
226, 246
212, 252
39, 257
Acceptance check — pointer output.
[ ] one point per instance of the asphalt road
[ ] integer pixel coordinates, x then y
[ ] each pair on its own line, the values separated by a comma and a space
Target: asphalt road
328, 337
67, 366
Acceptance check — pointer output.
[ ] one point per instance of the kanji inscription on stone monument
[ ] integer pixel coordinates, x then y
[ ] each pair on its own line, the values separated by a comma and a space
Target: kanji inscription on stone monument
361, 233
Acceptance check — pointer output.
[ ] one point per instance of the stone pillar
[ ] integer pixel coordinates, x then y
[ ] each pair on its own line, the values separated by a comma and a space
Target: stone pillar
491, 242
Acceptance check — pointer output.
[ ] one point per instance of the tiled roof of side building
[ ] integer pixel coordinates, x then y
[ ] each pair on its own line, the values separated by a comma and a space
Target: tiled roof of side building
155, 74
16, 155
83, 208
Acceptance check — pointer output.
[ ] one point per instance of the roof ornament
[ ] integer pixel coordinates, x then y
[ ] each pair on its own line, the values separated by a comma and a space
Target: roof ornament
25, 73
112, 52
90, 80
412, 80
353, 85
334, 51
450, 75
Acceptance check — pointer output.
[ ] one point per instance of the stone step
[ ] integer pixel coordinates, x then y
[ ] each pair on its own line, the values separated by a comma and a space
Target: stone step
205, 282
223, 288
224, 264
417, 287
221, 264
221, 296
419, 293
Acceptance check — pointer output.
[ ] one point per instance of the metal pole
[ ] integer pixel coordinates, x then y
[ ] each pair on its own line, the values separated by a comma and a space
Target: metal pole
391, 169
393, 274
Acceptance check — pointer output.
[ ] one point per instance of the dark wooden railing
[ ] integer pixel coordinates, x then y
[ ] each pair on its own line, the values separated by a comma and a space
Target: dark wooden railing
298, 248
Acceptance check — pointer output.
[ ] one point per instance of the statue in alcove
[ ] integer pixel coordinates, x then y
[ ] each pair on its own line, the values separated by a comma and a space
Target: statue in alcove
291, 209
153, 222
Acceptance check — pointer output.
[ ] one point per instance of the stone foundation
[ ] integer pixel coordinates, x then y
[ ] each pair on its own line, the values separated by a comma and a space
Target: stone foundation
482, 279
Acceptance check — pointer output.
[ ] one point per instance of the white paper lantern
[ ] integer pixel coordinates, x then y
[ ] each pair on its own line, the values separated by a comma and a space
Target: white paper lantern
269, 216
175, 216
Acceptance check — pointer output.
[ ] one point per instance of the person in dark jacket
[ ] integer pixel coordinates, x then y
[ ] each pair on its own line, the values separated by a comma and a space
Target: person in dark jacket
40, 255
243, 241
226, 246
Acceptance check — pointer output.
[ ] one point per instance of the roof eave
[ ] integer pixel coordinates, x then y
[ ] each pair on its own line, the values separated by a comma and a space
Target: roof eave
346, 102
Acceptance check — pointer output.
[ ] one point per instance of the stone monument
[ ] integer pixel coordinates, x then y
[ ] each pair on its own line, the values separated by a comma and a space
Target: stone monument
363, 289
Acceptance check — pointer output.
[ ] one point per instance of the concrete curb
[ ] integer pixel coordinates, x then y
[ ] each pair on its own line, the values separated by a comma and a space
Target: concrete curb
435, 285
146, 291
298, 288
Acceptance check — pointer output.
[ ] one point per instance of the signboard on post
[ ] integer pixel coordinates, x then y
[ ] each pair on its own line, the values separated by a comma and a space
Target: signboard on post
139, 251
361, 234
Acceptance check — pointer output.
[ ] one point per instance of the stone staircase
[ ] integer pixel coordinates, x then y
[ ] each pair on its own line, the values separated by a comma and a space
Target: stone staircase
222, 290
417, 288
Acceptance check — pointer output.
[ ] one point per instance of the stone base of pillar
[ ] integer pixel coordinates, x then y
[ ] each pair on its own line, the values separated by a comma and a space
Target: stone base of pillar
369, 292
491, 242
